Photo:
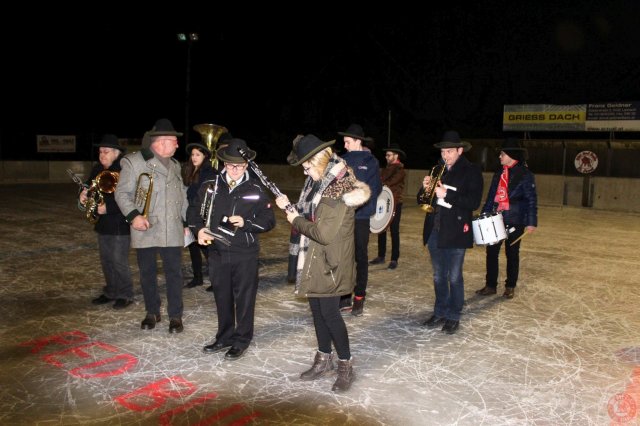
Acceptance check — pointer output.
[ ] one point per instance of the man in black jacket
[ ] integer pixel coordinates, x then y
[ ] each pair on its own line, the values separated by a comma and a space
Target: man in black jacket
447, 231
241, 210
113, 231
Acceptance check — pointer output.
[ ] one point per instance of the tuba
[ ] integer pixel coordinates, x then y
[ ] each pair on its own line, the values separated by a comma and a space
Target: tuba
104, 183
143, 193
426, 198
210, 134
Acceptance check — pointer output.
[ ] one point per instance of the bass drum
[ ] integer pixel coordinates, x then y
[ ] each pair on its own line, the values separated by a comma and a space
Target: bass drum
385, 210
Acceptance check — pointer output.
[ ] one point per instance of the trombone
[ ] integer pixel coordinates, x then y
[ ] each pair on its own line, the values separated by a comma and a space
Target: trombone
426, 197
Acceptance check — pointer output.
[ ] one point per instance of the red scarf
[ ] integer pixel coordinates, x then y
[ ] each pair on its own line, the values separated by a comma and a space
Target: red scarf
502, 193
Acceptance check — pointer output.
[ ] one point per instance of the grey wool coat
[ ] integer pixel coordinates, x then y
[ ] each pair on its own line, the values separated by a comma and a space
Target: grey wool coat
168, 205
329, 265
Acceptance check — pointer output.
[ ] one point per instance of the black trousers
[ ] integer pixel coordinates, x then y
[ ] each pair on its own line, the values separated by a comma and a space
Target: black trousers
361, 233
235, 286
330, 326
171, 263
394, 228
513, 258
196, 253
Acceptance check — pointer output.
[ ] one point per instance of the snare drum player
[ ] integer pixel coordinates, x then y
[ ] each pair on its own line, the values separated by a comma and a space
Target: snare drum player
447, 231
393, 176
512, 193
241, 211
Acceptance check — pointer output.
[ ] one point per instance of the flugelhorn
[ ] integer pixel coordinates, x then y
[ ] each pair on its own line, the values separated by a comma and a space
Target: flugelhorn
210, 134
104, 183
426, 197
143, 193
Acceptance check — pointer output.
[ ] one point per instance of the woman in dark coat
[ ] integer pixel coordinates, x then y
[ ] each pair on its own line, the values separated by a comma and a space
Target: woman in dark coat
326, 258
196, 171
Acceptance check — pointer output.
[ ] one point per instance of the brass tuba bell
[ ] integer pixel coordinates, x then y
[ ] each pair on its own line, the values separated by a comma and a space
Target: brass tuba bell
210, 134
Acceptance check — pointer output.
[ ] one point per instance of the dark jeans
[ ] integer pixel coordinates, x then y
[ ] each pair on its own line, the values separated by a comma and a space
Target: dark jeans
394, 228
330, 326
171, 263
235, 286
197, 252
114, 257
513, 259
448, 281
361, 234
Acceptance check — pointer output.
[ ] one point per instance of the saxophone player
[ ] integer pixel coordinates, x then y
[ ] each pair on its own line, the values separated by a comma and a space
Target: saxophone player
159, 225
113, 231
447, 231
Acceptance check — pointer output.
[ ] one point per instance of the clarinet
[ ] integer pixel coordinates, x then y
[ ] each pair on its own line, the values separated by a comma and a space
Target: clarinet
265, 180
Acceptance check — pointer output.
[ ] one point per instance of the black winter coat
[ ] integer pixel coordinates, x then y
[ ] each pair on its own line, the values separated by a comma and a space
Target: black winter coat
523, 200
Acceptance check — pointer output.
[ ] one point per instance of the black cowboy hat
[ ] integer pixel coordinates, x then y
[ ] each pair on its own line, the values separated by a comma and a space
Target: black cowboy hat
307, 147
163, 127
394, 147
451, 139
110, 141
198, 145
512, 144
357, 132
293, 157
230, 153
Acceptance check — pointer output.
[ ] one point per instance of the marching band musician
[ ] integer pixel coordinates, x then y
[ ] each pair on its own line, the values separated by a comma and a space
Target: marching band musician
393, 176
241, 210
158, 227
513, 193
113, 231
448, 231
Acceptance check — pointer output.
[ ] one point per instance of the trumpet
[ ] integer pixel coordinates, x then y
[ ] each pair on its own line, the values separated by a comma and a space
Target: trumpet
104, 183
426, 197
143, 194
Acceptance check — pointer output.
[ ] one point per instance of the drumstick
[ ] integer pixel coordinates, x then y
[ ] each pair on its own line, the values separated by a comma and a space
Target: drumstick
524, 234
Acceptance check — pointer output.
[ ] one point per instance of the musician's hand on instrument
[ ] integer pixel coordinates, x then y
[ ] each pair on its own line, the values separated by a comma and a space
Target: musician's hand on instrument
237, 221
441, 191
426, 182
140, 223
83, 196
530, 229
282, 201
102, 209
204, 238
291, 215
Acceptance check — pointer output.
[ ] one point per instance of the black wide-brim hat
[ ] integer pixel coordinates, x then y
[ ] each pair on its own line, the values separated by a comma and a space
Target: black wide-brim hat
198, 145
163, 127
357, 132
230, 153
309, 146
512, 144
394, 147
451, 139
110, 141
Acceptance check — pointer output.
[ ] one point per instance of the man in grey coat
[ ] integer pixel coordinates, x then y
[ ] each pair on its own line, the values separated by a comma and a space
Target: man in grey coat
157, 220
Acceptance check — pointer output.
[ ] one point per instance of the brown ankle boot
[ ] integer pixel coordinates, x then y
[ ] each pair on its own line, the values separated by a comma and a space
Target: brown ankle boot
346, 376
321, 364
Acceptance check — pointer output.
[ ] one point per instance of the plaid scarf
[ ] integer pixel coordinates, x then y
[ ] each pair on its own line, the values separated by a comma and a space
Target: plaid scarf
307, 203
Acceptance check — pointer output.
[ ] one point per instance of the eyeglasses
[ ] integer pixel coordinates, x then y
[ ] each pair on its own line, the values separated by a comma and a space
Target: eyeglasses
306, 169
235, 166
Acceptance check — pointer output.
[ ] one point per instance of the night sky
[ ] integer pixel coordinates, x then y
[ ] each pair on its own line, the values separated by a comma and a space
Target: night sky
453, 67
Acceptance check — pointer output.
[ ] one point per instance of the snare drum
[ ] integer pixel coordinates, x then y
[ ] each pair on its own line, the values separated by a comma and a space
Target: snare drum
488, 229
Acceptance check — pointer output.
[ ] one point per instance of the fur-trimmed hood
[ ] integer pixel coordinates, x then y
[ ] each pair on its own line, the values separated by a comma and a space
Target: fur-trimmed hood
353, 192
358, 195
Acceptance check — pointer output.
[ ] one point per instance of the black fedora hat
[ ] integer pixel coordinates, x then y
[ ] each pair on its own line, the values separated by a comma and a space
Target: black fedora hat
512, 144
293, 157
357, 132
163, 127
307, 147
198, 145
230, 153
451, 139
394, 147
110, 141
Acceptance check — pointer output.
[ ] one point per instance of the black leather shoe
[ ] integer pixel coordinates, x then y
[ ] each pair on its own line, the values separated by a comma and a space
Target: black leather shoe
378, 260
434, 321
393, 264
194, 283
486, 291
101, 300
509, 292
215, 347
234, 353
175, 325
122, 303
450, 326
149, 322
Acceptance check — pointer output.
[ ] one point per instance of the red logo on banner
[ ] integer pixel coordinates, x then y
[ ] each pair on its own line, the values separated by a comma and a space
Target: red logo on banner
586, 162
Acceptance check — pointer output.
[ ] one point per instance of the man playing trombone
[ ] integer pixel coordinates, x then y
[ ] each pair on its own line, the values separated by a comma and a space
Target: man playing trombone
154, 200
